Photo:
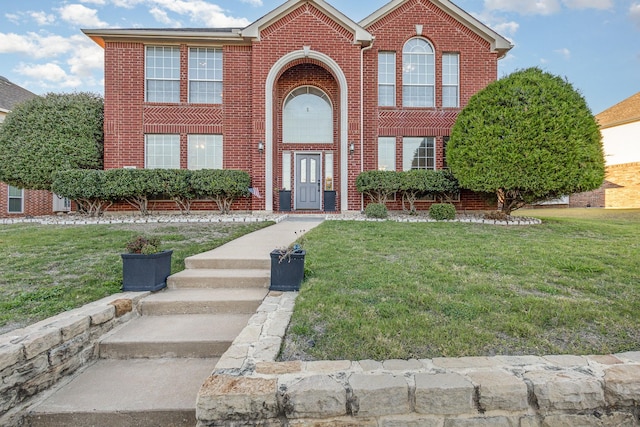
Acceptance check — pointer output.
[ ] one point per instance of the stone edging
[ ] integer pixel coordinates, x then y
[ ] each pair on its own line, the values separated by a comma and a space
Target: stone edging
34, 358
248, 386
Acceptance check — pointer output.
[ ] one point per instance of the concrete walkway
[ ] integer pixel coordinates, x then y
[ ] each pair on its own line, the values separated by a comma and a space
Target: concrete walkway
149, 371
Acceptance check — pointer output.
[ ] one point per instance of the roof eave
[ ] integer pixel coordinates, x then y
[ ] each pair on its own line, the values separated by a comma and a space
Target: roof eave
100, 35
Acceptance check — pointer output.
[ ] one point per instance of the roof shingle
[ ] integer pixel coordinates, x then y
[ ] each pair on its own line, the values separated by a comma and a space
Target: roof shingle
12, 94
626, 111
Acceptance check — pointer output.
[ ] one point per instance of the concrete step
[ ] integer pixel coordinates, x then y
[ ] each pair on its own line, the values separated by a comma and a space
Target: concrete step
218, 261
219, 278
124, 393
184, 335
203, 301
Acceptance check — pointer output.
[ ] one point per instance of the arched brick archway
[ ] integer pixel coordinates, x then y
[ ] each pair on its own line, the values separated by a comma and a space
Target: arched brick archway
273, 77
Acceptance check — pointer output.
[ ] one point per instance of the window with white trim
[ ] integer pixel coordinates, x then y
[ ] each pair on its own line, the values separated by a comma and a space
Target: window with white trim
450, 80
162, 151
204, 152
162, 74
418, 74
386, 79
307, 116
205, 75
387, 153
418, 153
16, 199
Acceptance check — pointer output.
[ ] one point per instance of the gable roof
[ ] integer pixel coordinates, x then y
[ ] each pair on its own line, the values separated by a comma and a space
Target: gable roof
360, 35
12, 94
498, 43
624, 112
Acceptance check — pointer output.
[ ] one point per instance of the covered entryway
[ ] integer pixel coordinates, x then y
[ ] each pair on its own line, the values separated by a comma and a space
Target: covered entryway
308, 182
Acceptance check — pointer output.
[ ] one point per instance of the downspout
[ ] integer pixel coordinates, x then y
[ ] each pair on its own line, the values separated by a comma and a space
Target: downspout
362, 114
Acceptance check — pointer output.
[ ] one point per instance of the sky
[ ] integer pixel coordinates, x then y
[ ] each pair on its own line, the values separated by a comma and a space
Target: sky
594, 44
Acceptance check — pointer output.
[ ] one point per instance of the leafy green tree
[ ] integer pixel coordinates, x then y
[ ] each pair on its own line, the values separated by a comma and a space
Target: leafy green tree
51, 133
527, 137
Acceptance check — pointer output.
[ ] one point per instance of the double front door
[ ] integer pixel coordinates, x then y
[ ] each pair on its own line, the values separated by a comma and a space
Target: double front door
308, 188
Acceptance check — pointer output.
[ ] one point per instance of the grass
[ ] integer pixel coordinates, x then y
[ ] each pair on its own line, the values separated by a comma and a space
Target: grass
382, 290
48, 269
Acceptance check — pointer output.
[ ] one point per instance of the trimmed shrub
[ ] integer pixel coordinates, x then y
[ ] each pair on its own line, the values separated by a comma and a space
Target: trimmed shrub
87, 188
378, 185
422, 182
376, 210
221, 185
442, 211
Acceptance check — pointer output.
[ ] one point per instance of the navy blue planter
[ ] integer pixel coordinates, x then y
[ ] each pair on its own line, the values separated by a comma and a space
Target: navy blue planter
145, 272
287, 274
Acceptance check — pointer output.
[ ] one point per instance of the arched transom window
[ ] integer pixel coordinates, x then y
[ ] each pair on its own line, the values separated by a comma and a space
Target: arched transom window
418, 74
307, 116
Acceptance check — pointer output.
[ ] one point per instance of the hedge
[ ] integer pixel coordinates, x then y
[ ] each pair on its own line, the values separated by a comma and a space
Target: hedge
95, 190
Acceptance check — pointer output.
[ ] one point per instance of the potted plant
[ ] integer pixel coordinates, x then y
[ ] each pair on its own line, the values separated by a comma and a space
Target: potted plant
145, 267
287, 268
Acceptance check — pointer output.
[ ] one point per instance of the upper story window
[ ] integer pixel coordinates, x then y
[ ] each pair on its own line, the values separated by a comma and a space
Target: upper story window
205, 75
386, 79
450, 80
418, 74
162, 74
307, 116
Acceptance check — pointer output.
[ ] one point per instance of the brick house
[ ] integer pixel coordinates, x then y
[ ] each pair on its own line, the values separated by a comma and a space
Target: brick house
620, 128
17, 202
304, 99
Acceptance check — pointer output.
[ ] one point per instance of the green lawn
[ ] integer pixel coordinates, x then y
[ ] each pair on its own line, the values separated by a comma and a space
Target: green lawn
47, 269
381, 290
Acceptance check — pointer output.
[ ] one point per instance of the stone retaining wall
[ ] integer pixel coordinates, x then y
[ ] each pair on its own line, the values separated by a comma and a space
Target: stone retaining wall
35, 358
248, 388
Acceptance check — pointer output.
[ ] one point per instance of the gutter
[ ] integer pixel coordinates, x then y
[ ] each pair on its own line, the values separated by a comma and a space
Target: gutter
373, 39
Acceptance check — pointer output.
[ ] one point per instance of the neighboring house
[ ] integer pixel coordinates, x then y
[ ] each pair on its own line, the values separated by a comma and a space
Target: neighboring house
16, 201
304, 99
620, 128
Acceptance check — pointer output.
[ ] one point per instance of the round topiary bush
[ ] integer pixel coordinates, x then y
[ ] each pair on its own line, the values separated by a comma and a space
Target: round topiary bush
442, 211
376, 210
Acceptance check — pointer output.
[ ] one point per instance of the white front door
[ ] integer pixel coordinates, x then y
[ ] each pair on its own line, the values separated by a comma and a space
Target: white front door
308, 182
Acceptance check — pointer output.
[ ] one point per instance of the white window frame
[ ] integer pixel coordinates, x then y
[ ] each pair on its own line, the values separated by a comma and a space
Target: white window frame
387, 153
165, 69
450, 79
205, 70
386, 79
204, 151
15, 197
418, 74
165, 153
410, 145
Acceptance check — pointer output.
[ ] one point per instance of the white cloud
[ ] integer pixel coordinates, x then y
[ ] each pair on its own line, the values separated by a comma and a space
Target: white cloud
588, 4
199, 11
13, 17
49, 75
98, 2
163, 17
42, 18
544, 61
506, 28
526, 7
82, 16
86, 57
564, 52
34, 44
256, 3
634, 13
545, 7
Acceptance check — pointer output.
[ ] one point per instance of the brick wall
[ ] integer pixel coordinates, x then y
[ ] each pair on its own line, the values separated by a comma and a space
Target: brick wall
35, 203
241, 117
621, 189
